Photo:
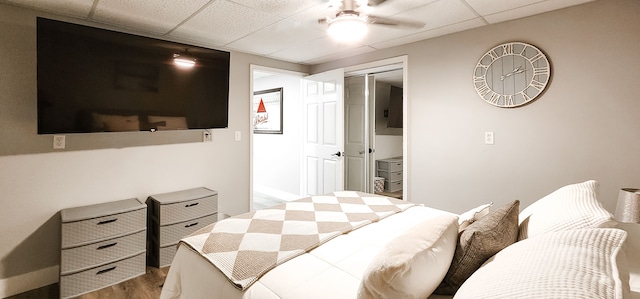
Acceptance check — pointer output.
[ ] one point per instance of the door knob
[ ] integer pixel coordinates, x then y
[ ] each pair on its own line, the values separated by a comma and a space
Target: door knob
339, 154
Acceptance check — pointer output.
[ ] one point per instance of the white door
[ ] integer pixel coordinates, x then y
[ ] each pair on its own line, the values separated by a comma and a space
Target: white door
323, 162
358, 90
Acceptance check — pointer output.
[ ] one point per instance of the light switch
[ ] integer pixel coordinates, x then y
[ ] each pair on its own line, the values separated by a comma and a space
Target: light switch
238, 135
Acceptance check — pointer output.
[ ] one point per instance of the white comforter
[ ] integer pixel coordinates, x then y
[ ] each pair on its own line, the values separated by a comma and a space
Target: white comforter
333, 270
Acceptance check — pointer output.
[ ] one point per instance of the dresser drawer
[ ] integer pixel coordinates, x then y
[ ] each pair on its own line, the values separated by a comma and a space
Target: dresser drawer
392, 164
90, 230
185, 210
393, 186
390, 176
80, 258
171, 234
166, 255
99, 277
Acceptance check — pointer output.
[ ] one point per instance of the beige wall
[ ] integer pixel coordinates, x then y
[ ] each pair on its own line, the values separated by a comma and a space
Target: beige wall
585, 126
37, 182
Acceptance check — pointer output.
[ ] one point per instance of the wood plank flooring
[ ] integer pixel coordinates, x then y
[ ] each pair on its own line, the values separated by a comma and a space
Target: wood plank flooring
147, 286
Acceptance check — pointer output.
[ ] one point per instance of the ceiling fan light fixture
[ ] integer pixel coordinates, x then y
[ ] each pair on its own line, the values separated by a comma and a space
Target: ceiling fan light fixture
184, 60
348, 28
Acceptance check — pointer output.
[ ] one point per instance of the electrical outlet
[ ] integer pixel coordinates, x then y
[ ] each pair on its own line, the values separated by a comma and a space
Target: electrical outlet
488, 137
206, 136
59, 141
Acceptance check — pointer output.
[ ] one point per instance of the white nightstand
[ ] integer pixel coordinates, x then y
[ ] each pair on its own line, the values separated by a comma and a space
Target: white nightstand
173, 216
102, 245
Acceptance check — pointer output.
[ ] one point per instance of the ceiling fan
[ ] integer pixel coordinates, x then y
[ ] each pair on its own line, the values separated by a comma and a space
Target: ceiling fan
351, 19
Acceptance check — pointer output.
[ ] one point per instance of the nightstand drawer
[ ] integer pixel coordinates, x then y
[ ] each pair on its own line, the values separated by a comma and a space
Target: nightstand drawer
88, 256
390, 176
90, 230
171, 234
393, 186
181, 211
99, 277
391, 164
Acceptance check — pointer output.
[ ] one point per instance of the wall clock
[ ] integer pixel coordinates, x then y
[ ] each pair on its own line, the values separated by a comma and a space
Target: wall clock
511, 74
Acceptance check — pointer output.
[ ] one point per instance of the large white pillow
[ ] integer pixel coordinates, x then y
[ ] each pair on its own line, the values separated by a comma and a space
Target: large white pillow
413, 264
570, 207
579, 263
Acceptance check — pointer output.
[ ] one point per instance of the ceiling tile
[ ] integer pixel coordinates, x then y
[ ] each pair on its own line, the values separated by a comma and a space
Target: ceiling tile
439, 14
73, 8
316, 48
283, 8
487, 7
344, 54
533, 9
223, 22
154, 16
277, 37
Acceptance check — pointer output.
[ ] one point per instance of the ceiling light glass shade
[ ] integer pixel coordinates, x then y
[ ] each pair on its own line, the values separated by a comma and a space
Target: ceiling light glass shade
184, 60
348, 28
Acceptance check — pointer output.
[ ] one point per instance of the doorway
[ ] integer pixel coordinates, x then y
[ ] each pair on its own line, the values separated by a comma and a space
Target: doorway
268, 152
374, 128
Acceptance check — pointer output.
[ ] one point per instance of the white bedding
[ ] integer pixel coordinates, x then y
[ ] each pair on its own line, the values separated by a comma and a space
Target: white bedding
333, 270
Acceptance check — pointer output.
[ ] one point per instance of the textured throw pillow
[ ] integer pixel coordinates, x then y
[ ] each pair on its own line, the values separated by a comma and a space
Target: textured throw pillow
473, 215
413, 264
581, 263
570, 207
478, 242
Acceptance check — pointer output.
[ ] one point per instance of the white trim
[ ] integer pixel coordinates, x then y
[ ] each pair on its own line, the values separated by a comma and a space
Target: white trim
28, 281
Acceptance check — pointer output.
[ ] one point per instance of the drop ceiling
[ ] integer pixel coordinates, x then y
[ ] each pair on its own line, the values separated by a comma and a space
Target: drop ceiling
288, 29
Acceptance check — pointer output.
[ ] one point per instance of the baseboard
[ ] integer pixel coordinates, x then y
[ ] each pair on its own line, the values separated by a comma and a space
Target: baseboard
29, 281
276, 193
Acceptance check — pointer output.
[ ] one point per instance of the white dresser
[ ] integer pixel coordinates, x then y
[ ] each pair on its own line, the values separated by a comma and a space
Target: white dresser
102, 245
391, 170
173, 216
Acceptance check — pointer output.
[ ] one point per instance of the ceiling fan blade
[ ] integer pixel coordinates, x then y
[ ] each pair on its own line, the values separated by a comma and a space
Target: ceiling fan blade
322, 21
394, 22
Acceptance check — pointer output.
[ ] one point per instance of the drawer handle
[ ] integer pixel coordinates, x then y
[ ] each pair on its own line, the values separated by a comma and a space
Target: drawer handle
192, 204
192, 224
107, 221
106, 270
107, 246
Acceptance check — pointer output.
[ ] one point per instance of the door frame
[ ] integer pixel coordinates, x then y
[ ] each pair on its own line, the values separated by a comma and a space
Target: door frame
404, 59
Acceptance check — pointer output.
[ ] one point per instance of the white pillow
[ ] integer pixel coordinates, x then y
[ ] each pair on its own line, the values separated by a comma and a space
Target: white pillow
570, 207
413, 264
579, 263
473, 215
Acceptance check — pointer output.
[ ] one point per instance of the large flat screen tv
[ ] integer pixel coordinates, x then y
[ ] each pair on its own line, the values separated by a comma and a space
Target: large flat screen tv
96, 80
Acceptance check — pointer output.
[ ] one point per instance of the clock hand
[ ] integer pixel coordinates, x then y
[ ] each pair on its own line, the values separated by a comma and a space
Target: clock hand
517, 70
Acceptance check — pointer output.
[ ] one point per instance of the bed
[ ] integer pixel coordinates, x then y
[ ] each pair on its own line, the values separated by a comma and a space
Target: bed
565, 245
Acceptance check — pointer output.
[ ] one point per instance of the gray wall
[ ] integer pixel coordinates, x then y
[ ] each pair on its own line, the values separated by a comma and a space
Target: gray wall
585, 126
37, 182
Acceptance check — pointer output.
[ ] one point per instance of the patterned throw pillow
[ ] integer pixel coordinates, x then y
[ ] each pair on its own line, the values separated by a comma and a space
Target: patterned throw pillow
478, 242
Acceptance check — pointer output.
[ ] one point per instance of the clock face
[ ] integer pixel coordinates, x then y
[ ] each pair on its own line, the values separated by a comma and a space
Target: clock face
511, 75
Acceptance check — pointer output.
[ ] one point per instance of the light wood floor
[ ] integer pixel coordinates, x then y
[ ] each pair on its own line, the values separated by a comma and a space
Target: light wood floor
147, 286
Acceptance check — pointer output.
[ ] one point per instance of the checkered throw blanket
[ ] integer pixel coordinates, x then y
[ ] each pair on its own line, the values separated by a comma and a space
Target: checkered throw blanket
247, 246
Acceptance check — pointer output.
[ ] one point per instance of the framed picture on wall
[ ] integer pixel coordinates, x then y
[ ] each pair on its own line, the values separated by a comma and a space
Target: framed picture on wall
267, 111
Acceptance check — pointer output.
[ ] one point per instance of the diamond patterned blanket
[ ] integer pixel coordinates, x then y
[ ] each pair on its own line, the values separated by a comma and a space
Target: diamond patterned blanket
247, 246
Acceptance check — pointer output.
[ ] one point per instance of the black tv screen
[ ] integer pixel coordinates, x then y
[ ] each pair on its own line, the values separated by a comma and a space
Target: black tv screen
96, 80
